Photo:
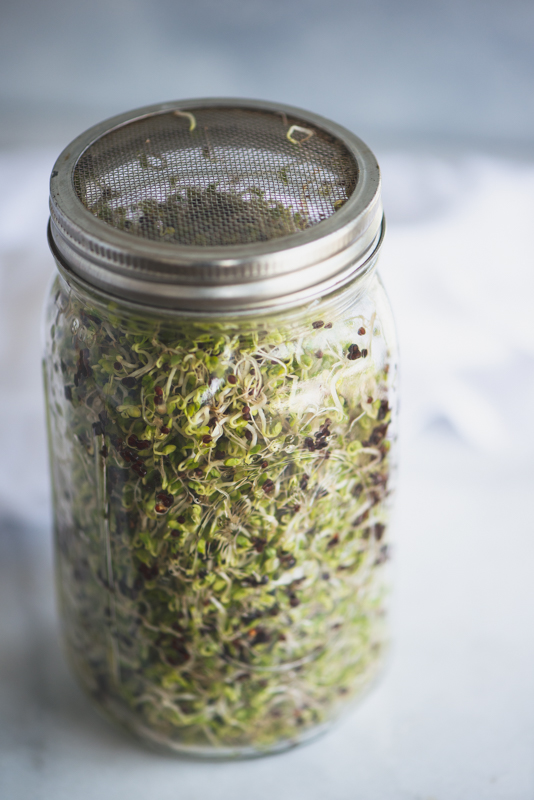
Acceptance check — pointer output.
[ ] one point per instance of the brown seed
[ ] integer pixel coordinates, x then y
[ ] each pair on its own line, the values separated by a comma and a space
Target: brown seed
128, 382
139, 444
379, 531
180, 520
364, 353
361, 331
232, 379
261, 636
383, 410
165, 430
117, 365
264, 464
328, 325
353, 352
296, 507
319, 354
159, 391
160, 508
268, 486
248, 435
318, 324
166, 499
206, 439
149, 572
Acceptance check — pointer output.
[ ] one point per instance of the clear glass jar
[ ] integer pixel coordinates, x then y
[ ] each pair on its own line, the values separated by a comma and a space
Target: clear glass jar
221, 489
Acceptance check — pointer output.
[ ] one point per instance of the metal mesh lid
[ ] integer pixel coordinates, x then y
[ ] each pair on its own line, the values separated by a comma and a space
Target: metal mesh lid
215, 176
214, 201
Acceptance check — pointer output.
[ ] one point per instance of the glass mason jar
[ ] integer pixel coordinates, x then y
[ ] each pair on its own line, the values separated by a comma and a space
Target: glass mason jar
221, 408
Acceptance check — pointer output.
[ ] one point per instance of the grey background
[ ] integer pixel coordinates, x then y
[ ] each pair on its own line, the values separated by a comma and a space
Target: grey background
395, 71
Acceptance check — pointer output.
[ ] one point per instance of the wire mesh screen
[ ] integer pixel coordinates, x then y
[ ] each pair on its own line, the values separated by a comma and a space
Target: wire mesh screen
215, 176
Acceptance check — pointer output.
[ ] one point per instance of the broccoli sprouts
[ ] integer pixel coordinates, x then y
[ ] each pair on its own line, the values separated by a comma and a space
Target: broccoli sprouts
221, 494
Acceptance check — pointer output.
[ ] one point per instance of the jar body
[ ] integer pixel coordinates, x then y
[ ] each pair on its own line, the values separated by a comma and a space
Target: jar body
221, 497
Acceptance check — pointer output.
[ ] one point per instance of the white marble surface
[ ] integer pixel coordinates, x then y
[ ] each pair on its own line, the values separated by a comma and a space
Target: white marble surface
453, 718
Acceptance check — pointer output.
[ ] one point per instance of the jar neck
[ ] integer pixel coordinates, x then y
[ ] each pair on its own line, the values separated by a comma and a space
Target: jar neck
331, 295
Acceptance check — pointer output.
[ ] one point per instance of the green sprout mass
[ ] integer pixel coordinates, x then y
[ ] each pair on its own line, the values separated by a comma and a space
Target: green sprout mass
221, 495
203, 217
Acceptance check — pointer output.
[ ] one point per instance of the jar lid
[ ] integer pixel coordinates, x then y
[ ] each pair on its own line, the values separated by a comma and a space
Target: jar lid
216, 204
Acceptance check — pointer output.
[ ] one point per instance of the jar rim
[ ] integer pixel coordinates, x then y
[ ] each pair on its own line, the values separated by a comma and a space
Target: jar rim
160, 274
354, 272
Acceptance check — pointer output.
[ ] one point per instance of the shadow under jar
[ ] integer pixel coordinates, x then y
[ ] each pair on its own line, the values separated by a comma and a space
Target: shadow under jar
220, 375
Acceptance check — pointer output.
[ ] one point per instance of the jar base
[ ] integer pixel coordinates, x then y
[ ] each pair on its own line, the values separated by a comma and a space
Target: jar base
119, 717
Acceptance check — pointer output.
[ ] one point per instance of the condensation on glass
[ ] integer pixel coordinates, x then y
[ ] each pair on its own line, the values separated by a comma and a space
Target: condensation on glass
220, 378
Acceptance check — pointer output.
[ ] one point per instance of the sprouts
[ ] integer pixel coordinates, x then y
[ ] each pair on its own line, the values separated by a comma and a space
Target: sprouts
221, 494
